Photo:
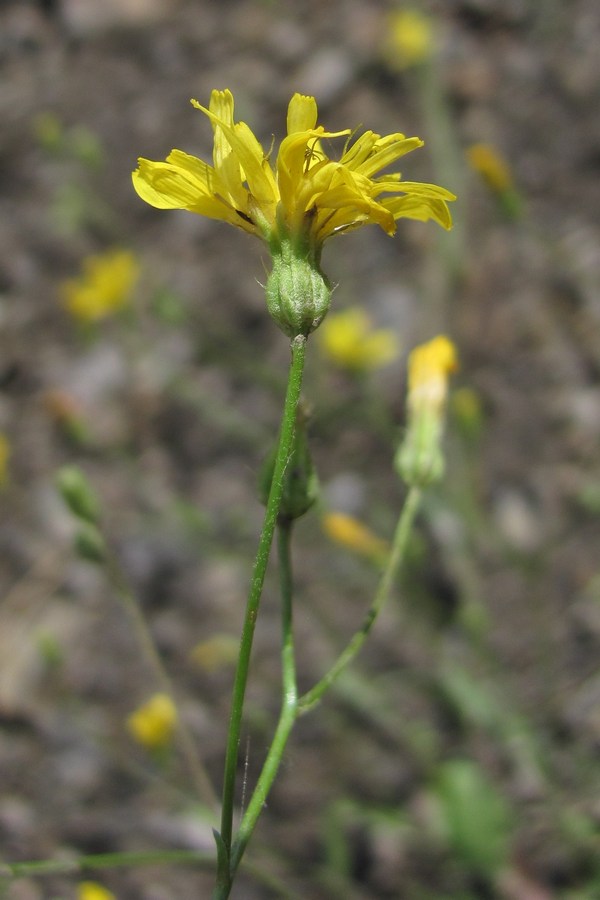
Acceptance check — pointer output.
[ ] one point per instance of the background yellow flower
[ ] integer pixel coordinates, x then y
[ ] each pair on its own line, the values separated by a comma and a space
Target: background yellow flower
409, 38
348, 339
104, 286
153, 724
91, 890
353, 535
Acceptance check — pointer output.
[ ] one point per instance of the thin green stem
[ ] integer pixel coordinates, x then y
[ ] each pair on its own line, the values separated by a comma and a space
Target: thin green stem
298, 346
10, 872
396, 557
39, 868
198, 774
287, 716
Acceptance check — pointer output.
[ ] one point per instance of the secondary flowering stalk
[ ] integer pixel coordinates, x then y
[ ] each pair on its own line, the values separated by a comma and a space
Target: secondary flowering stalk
297, 203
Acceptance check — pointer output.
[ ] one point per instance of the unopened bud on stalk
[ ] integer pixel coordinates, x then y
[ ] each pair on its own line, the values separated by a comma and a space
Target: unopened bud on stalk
419, 460
90, 545
78, 494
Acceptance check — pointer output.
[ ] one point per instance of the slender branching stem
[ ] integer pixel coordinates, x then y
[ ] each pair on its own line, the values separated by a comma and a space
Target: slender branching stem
395, 559
224, 877
39, 868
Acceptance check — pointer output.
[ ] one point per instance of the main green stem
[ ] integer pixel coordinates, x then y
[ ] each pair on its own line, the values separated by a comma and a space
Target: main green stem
298, 347
289, 704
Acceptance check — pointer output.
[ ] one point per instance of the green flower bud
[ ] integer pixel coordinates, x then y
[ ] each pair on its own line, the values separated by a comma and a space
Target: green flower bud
419, 459
90, 545
298, 293
78, 494
300, 481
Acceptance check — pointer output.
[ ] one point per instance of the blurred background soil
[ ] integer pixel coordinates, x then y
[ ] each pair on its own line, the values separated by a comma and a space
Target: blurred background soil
460, 756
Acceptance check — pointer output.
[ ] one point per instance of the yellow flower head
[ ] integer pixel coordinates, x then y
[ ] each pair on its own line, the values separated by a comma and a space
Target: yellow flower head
348, 339
409, 39
305, 194
419, 459
104, 286
91, 890
493, 168
153, 724
348, 532
296, 203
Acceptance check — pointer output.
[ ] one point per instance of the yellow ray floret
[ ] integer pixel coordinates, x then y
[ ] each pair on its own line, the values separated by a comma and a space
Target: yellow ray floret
305, 194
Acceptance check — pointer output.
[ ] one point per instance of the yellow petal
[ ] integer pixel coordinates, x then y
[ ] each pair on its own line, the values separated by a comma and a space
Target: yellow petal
221, 106
166, 186
387, 153
302, 114
250, 155
421, 188
199, 170
225, 161
360, 150
420, 208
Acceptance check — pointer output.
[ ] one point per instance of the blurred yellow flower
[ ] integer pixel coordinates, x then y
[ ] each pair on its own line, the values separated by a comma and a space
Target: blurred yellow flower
304, 195
91, 890
409, 39
4, 457
153, 724
496, 172
104, 286
348, 340
419, 459
491, 165
429, 366
219, 650
348, 532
